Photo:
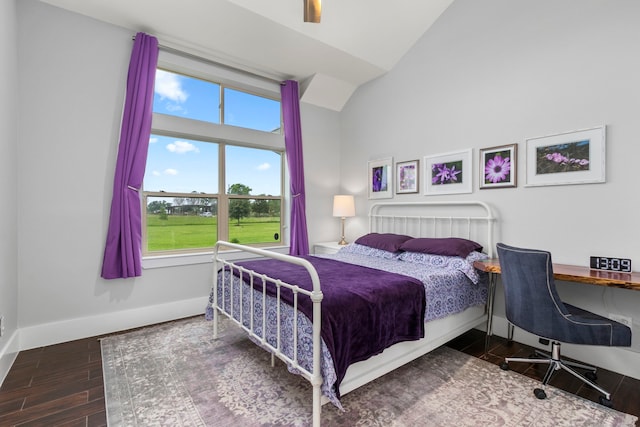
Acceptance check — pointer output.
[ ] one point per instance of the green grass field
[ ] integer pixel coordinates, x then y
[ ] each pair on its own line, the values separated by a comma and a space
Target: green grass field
184, 232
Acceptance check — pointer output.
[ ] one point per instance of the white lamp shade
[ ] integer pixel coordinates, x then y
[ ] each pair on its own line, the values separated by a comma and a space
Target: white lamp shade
344, 206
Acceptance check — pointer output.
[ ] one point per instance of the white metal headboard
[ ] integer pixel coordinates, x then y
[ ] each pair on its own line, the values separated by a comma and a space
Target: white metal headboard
471, 220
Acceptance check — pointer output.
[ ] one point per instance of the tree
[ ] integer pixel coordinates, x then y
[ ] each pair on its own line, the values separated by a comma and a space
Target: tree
274, 207
239, 208
239, 189
260, 207
158, 206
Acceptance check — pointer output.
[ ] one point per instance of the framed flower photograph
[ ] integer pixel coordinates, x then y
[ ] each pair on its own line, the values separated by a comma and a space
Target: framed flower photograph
407, 177
498, 166
576, 157
448, 173
381, 178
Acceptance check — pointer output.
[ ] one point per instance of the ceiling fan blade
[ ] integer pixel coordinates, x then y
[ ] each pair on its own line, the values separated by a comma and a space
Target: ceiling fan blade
312, 10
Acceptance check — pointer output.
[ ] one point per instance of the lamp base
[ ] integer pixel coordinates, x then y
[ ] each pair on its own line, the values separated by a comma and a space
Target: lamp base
342, 242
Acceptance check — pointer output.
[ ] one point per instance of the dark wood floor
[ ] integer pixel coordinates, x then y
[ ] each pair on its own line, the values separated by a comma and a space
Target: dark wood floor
61, 385
55, 385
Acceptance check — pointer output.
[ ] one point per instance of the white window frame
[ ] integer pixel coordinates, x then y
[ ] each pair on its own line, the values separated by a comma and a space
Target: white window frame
197, 130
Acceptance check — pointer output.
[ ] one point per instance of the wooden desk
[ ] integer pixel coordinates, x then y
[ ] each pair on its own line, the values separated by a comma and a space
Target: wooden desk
561, 272
575, 273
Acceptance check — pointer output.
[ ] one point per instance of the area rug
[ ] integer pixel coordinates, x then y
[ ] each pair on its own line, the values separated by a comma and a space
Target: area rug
175, 374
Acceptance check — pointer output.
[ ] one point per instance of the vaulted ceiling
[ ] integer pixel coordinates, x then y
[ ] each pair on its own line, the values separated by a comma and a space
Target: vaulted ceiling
356, 41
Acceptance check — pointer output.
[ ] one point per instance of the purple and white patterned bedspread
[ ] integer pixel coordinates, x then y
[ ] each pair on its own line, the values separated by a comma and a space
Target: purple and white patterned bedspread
447, 285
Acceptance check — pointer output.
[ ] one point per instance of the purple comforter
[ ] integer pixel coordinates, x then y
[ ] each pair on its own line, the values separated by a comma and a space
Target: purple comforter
364, 310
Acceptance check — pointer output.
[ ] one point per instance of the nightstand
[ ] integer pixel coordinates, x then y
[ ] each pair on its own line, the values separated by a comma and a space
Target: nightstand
326, 248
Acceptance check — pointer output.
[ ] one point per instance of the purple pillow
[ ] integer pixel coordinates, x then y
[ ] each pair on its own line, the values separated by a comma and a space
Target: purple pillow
385, 241
449, 246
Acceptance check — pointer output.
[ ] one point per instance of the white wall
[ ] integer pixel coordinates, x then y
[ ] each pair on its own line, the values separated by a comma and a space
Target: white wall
321, 140
8, 193
72, 75
496, 72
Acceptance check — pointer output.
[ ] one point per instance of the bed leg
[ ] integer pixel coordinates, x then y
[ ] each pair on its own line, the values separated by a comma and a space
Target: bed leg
215, 323
317, 404
273, 360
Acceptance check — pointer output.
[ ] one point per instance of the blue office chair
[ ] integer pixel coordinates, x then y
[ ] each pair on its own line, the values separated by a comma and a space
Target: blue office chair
532, 303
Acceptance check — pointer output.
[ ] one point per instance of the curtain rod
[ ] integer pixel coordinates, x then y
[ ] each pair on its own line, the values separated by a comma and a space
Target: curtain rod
215, 63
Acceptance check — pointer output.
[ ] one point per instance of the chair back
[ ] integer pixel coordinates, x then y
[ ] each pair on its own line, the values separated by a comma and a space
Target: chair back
531, 299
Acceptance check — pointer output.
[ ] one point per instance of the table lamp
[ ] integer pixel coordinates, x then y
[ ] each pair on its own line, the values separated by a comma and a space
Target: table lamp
343, 206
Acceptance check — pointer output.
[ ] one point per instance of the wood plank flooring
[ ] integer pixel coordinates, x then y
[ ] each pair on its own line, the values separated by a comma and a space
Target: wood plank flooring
62, 385
58, 385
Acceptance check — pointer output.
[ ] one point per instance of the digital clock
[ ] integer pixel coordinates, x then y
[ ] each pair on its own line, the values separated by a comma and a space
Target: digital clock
611, 264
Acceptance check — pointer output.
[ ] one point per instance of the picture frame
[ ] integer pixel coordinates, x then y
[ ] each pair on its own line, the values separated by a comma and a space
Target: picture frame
380, 182
448, 173
407, 177
499, 166
575, 157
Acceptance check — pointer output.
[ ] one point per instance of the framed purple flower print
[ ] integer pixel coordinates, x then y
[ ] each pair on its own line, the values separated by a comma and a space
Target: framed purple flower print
407, 177
448, 173
381, 179
498, 166
576, 157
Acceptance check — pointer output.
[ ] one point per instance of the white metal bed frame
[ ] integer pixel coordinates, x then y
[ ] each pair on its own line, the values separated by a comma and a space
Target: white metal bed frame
447, 220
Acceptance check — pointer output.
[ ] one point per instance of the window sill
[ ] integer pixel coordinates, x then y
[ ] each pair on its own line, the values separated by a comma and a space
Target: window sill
177, 260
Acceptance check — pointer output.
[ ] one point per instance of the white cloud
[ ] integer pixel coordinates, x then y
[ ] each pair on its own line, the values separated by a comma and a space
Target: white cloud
182, 147
264, 167
153, 140
173, 108
170, 172
155, 173
168, 86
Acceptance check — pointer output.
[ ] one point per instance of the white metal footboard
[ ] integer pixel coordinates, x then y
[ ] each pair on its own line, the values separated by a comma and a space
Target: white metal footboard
245, 320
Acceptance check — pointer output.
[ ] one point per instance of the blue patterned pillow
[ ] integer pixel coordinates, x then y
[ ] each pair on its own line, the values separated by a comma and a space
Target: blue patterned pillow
464, 265
355, 248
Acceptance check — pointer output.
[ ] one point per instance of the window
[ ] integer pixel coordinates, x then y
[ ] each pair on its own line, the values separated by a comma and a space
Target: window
251, 111
182, 96
215, 167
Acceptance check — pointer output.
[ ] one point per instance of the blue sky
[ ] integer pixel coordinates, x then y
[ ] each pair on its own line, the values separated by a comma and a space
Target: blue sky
183, 165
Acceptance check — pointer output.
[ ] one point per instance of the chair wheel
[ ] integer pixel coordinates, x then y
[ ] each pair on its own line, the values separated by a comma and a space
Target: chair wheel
606, 402
539, 393
590, 375
504, 366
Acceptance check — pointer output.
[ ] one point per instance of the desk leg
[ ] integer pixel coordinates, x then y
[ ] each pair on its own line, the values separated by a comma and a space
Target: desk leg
490, 299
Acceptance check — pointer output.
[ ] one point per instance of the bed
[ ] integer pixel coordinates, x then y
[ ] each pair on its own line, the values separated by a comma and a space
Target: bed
314, 312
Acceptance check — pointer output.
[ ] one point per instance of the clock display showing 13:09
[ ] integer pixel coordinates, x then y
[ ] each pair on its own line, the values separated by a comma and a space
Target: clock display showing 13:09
611, 264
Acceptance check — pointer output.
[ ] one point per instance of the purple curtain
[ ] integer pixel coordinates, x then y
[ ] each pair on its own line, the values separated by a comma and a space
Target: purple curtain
122, 252
293, 144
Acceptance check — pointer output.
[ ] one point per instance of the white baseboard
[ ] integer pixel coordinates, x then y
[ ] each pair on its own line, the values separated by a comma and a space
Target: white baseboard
8, 355
73, 329
622, 360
